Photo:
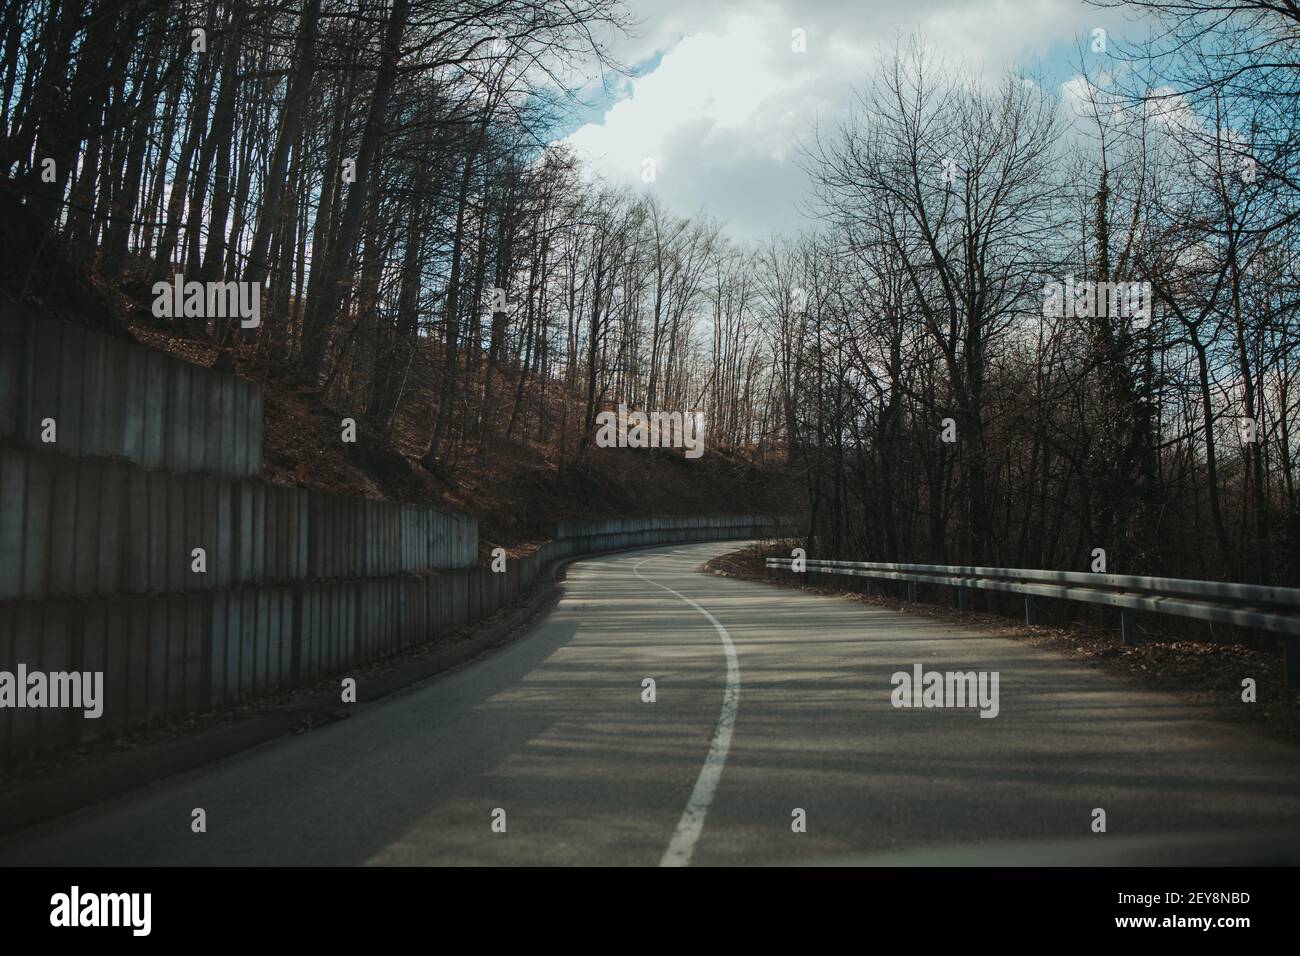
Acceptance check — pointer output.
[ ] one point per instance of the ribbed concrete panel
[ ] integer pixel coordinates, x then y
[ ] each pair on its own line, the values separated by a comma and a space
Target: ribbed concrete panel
111, 398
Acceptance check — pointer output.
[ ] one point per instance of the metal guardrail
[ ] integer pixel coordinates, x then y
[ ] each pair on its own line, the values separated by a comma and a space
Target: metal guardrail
1271, 609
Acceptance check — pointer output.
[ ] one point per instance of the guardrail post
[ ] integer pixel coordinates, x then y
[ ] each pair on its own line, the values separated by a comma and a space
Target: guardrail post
1291, 660
963, 598
1031, 615
911, 591
1126, 626
871, 587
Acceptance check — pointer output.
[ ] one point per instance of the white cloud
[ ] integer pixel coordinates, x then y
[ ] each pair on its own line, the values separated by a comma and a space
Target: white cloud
722, 112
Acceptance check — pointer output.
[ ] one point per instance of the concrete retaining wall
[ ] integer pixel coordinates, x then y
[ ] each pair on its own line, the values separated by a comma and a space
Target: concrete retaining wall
94, 527
166, 656
113, 399
582, 537
154, 458
604, 528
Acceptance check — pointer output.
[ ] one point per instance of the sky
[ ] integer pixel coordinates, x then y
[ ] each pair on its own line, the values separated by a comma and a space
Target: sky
719, 99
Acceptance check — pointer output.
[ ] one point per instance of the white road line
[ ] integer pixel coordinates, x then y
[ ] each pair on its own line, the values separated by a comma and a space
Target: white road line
691, 824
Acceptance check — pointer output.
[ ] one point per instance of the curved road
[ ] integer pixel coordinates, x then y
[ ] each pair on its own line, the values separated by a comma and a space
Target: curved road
768, 700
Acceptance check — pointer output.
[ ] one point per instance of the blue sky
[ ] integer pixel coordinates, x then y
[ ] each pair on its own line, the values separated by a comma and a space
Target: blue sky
719, 99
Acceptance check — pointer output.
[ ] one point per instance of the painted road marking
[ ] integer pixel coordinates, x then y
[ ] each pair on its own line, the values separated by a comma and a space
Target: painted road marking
691, 824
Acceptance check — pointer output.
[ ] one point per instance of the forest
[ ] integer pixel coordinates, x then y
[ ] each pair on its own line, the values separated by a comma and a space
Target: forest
436, 263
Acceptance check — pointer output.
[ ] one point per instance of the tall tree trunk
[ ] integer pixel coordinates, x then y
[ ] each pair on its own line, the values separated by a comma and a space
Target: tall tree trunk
289, 132
322, 311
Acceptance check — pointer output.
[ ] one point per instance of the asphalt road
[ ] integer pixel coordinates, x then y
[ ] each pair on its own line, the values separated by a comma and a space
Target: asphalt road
768, 701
